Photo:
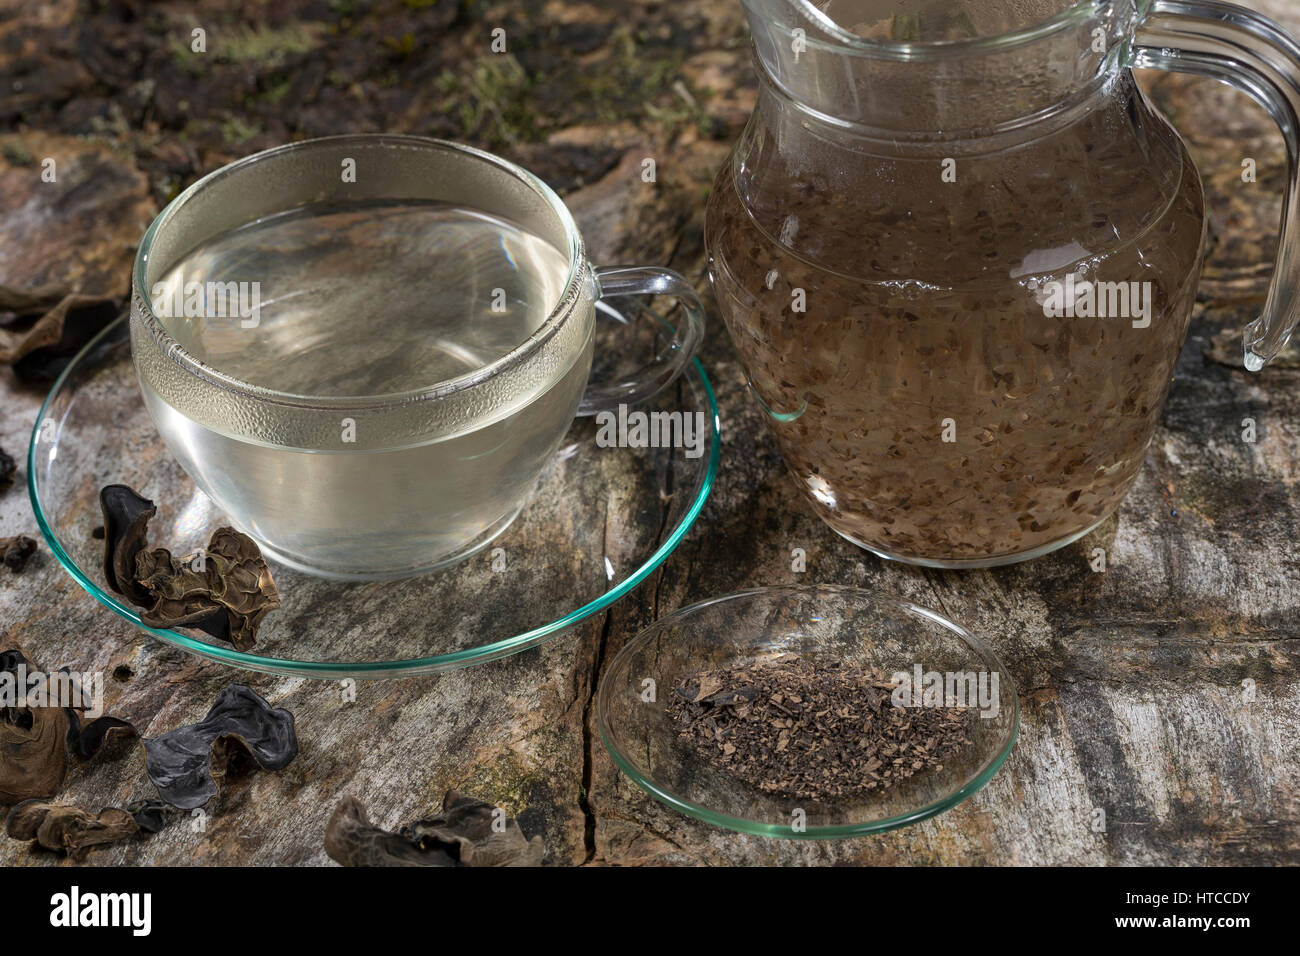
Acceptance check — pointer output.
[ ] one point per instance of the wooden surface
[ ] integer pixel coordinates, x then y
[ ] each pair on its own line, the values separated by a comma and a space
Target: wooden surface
1131, 680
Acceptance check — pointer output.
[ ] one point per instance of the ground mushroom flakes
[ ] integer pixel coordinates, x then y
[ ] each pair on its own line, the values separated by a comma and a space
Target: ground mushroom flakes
188, 764
468, 832
812, 730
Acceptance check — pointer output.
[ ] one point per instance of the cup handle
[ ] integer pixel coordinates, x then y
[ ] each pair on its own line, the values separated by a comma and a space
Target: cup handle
646, 382
1258, 57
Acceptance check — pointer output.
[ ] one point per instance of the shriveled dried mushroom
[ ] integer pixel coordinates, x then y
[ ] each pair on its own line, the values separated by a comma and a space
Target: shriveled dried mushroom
188, 764
468, 832
225, 590
49, 325
73, 831
35, 739
351, 840
16, 551
85, 741
150, 815
484, 835
8, 468
126, 530
33, 752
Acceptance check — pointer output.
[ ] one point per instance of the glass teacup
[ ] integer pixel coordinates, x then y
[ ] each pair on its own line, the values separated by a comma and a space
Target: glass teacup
365, 349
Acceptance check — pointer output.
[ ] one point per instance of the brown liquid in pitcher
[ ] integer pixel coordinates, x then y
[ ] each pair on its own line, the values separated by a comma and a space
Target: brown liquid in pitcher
924, 320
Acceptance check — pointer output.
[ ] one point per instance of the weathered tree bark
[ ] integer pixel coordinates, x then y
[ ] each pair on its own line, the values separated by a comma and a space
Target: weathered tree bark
1164, 691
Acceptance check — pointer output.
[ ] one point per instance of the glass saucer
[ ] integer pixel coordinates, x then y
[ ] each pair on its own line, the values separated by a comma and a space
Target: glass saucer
820, 623
600, 520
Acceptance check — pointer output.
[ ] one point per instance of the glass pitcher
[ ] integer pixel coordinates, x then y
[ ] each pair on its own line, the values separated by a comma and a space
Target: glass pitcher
957, 250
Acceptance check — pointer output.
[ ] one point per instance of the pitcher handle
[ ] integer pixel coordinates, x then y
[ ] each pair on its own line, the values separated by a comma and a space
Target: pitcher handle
668, 364
1258, 57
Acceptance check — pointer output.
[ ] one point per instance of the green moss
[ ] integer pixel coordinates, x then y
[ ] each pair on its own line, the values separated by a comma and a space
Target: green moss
248, 44
184, 57
276, 93
905, 27
505, 783
495, 100
17, 154
235, 130
631, 82
680, 114
403, 46
169, 187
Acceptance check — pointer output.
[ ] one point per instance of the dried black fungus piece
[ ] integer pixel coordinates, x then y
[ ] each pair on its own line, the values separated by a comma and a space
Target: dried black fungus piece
149, 815
126, 524
225, 590
8, 468
468, 832
188, 764
85, 742
126, 531
351, 840
484, 836
35, 741
73, 831
45, 327
33, 752
16, 551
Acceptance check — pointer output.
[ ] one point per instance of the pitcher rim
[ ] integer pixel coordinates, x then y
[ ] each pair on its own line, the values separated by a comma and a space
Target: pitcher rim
846, 41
